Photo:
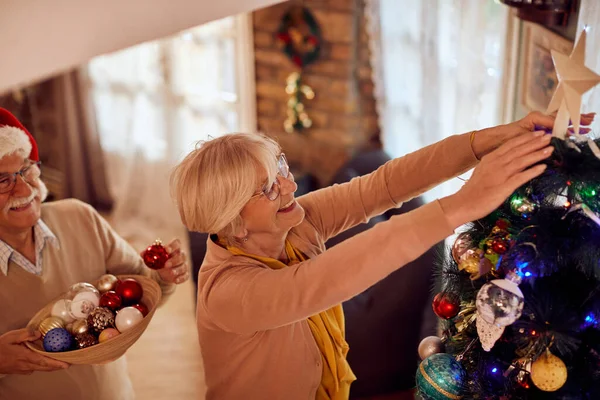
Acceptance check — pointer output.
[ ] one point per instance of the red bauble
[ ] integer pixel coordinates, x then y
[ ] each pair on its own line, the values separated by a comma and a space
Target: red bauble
155, 256
446, 305
500, 246
130, 291
142, 307
110, 300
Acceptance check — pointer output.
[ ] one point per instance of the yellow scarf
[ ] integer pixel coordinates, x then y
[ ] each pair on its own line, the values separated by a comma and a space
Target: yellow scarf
328, 329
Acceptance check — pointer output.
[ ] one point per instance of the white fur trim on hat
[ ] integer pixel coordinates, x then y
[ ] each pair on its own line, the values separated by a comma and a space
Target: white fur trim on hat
14, 141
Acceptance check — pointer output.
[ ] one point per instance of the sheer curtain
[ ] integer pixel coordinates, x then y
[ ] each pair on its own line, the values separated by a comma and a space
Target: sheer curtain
437, 70
153, 102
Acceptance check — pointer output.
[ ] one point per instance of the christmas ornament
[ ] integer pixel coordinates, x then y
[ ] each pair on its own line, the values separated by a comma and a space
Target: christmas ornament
522, 206
84, 303
85, 339
108, 334
446, 305
107, 282
462, 243
110, 300
62, 310
155, 256
130, 290
473, 262
50, 323
142, 307
100, 319
78, 327
81, 287
500, 302
430, 345
127, 318
574, 79
488, 333
58, 339
440, 377
548, 372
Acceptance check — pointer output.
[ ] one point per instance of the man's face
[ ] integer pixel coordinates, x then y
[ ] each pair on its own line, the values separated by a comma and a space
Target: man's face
20, 208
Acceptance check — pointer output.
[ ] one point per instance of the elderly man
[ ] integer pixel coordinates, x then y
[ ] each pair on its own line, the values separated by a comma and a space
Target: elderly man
44, 249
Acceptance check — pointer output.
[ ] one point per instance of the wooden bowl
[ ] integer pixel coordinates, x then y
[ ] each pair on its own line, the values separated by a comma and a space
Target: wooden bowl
113, 348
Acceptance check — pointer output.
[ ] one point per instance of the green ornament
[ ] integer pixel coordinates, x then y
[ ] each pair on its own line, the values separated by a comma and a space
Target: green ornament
440, 377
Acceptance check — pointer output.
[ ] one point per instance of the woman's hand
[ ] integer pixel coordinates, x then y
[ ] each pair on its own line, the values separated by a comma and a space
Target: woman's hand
497, 176
16, 358
487, 140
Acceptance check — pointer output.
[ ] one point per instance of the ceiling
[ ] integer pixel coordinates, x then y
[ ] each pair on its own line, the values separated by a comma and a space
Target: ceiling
41, 38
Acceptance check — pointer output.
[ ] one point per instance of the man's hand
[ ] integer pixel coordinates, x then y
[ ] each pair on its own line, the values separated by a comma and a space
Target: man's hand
16, 358
176, 269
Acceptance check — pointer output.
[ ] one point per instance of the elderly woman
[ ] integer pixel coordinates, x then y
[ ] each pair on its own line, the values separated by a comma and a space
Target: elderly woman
269, 313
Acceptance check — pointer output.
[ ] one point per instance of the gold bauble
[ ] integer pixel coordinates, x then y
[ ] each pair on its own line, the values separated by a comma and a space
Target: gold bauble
50, 323
548, 373
469, 261
79, 327
430, 345
106, 282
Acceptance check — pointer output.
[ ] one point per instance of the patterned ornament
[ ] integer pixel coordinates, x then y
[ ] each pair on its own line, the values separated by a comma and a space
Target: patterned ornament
446, 305
84, 303
155, 256
130, 290
62, 310
86, 339
142, 307
100, 319
50, 323
78, 327
440, 377
488, 333
57, 340
110, 300
107, 282
500, 302
429, 346
548, 372
127, 318
108, 334
462, 243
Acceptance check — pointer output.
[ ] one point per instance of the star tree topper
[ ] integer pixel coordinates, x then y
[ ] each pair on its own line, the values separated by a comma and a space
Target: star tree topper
574, 79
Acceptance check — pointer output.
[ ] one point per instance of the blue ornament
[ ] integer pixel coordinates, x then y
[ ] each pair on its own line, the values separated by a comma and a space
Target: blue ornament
440, 377
58, 339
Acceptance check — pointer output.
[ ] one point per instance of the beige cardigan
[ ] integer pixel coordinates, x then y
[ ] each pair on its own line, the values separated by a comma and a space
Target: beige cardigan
254, 337
89, 248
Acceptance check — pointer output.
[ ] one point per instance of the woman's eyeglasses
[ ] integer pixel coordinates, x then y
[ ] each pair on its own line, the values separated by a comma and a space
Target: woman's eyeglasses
29, 174
272, 191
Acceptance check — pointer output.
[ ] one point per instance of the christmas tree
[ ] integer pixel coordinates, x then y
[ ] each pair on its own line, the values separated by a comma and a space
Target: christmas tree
520, 288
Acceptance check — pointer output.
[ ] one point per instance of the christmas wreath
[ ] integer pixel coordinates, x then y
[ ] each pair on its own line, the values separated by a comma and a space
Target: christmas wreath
300, 36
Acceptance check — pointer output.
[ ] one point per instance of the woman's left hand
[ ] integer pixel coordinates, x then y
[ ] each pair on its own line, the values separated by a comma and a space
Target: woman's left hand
489, 139
176, 268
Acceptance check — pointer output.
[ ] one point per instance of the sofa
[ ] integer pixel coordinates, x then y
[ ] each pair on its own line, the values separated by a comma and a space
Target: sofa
385, 323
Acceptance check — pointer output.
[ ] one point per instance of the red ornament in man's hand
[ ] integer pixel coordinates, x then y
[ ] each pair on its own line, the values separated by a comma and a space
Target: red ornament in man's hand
130, 290
446, 305
155, 256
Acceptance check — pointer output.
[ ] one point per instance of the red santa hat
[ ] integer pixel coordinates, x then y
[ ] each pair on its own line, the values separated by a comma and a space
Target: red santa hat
15, 139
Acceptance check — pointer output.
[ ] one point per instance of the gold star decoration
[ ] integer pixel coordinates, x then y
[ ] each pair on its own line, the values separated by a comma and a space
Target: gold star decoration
574, 79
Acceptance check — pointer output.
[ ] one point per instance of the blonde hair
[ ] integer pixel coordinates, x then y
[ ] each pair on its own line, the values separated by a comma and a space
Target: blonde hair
215, 181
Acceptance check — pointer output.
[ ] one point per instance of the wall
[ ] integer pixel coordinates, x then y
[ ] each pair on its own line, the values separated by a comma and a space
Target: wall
343, 110
590, 16
46, 37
